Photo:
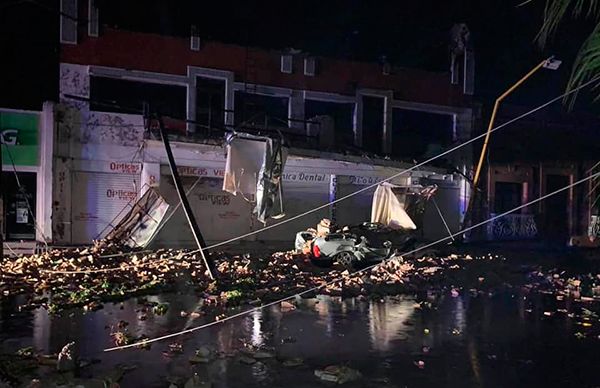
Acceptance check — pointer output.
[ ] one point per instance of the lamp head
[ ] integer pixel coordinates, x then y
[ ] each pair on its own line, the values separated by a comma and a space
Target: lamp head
552, 63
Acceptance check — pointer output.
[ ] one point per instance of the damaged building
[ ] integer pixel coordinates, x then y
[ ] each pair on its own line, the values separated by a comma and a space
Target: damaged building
525, 164
346, 124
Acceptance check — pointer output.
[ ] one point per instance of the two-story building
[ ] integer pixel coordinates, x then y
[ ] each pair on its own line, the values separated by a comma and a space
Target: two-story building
349, 124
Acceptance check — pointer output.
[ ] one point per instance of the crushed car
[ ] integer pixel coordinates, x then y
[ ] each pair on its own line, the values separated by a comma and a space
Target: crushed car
368, 242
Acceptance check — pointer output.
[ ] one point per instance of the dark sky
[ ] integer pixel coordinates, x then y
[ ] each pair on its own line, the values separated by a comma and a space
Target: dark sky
411, 34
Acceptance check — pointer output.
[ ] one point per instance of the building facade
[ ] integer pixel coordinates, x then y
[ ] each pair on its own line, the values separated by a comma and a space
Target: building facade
349, 125
535, 157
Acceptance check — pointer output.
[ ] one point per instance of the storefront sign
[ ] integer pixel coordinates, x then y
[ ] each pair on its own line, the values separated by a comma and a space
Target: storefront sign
125, 168
288, 176
19, 135
112, 167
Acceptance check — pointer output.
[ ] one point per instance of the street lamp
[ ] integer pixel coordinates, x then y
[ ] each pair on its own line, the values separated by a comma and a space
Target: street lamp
550, 64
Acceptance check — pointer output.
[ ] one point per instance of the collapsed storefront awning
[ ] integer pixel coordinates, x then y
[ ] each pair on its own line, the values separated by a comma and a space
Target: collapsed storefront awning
139, 226
253, 169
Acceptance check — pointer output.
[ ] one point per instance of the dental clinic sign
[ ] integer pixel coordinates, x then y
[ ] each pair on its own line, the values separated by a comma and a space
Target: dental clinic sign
19, 137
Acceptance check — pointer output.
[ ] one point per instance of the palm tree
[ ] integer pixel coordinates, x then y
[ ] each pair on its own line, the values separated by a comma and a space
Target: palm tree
587, 62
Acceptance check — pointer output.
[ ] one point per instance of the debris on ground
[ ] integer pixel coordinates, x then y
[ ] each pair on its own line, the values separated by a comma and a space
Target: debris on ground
109, 273
67, 358
339, 374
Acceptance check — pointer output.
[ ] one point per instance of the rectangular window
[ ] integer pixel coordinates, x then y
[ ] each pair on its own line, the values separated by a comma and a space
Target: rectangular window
93, 21
255, 110
417, 134
210, 105
68, 21
372, 131
342, 115
124, 96
507, 196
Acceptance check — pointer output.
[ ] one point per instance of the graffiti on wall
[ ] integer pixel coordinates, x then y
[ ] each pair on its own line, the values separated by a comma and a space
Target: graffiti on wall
86, 127
512, 227
124, 130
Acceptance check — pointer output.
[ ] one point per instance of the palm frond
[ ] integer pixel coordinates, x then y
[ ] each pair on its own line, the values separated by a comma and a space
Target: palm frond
587, 63
592, 7
554, 12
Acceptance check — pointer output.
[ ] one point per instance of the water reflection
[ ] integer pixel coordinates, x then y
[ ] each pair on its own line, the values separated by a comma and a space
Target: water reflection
323, 307
381, 339
257, 335
387, 323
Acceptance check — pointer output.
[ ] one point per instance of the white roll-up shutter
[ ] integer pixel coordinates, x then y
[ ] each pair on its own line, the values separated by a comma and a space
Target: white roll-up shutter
98, 200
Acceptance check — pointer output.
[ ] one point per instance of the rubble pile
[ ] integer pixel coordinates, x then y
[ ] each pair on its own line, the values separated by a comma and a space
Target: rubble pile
579, 287
107, 272
41, 276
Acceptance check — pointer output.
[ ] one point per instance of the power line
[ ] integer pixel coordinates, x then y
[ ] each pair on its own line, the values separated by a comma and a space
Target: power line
339, 279
339, 199
22, 190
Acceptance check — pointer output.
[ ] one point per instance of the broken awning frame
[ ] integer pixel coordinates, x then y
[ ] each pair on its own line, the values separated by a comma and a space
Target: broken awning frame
256, 173
139, 226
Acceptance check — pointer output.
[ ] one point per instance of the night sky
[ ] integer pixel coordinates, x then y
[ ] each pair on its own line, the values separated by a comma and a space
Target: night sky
409, 34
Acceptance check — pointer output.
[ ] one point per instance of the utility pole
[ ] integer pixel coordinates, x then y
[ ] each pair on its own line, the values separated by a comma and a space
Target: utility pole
210, 267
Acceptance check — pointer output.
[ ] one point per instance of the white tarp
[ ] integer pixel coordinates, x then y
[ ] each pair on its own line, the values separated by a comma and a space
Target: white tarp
388, 210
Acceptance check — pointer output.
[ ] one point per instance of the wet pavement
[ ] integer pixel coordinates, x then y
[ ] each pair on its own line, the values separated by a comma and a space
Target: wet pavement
505, 339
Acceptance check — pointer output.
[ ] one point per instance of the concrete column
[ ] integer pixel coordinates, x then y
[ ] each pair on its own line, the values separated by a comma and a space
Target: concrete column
191, 105
61, 205
44, 176
229, 99
387, 123
296, 110
358, 118
332, 197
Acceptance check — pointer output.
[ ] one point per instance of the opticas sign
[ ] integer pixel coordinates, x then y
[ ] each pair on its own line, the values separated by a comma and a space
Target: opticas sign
19, 133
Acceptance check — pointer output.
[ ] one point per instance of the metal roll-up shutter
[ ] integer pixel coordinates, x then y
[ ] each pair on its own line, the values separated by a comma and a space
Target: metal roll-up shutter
98, 200
219, 214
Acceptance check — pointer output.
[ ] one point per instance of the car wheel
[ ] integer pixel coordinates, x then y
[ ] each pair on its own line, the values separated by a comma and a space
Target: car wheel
345, 259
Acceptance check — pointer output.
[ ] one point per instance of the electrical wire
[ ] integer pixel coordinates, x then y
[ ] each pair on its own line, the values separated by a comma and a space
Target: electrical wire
339, 279
404, 171
369, 187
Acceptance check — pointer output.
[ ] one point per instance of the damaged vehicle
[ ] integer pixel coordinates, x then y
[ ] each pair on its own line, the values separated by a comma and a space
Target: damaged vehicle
344, 248
391, 230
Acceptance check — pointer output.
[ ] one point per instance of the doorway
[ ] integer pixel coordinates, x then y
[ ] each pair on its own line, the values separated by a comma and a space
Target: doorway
19, 205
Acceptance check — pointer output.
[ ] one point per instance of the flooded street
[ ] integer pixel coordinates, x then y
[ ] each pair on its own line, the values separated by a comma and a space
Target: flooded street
513, 338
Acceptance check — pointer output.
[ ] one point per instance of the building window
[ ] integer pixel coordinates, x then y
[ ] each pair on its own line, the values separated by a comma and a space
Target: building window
125, 96
372, 130
68, 21
255, 110
342, 115
417, 135
507, 196
210, 105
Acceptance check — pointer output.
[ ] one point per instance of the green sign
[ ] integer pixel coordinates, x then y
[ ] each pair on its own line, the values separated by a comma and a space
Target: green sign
19, 137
